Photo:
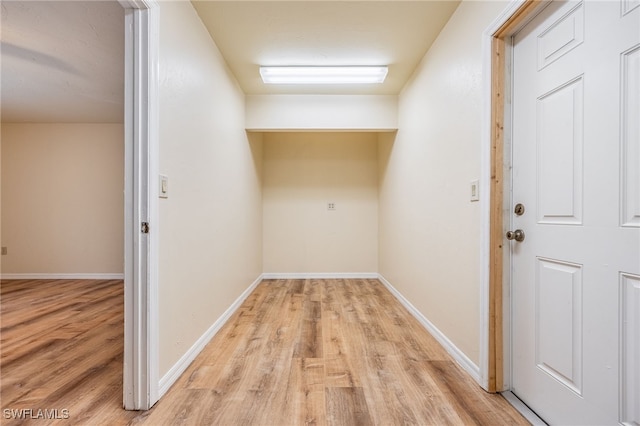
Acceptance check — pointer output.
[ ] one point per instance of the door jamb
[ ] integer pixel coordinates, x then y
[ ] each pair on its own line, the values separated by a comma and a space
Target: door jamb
496, 181
140, 369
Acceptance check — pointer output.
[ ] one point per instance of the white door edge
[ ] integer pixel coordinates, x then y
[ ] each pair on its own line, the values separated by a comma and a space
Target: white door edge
140, 369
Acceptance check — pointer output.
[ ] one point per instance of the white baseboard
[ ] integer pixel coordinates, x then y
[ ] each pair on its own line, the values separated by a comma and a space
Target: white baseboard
318, 275
179, 367
448, 345
62, 276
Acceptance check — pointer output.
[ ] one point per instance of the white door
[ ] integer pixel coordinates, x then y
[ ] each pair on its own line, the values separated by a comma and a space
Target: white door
576, 170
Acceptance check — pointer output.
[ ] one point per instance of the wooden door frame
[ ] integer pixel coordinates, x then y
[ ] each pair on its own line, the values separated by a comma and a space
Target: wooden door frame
496, 209
140, 369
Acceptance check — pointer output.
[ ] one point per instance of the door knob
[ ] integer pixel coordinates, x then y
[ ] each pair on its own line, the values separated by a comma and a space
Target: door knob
517, 235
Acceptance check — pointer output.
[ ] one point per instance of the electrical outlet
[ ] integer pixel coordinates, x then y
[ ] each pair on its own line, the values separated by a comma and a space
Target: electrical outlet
331, 206
5, 251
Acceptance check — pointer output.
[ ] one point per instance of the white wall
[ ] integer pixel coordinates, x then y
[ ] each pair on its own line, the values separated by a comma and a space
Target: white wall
62, 199
211, 224
302, 173
322, 112
429, 230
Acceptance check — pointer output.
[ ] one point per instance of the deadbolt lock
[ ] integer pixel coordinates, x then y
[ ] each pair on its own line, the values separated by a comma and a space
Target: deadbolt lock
517, 235
519, 209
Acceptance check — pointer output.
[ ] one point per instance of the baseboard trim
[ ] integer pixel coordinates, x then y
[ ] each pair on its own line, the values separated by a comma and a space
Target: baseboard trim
179, 367
448, 345
318, 275
80, 276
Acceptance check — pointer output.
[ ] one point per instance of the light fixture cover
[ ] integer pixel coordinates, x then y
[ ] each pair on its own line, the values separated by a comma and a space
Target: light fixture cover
323, 75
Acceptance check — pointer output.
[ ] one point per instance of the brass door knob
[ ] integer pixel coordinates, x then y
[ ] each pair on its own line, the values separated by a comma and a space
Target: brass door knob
517, 235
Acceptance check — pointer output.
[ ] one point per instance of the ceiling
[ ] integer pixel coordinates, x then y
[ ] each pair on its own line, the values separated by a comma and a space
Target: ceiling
62, 61
254, 33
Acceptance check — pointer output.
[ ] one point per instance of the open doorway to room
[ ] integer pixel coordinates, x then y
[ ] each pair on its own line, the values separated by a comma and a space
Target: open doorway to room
62, 207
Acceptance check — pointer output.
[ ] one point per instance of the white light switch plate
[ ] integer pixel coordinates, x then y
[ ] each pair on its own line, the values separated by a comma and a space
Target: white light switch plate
163, 186
474, 191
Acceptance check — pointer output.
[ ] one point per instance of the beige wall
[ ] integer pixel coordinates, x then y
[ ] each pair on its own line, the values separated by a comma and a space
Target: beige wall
211, 224
429, 230
322, 112
302, 173
62, 198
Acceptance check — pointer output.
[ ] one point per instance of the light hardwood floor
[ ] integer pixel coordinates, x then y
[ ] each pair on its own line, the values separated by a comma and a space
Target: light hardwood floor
297, 352
62, 344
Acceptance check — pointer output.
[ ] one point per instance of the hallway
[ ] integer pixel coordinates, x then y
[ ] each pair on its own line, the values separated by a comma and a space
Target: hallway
321, 352
326, 352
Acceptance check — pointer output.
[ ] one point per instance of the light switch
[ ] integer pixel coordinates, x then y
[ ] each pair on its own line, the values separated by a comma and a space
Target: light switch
474, 190
164, 186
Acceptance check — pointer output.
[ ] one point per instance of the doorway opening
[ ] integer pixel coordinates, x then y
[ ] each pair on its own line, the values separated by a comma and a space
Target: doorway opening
140, 111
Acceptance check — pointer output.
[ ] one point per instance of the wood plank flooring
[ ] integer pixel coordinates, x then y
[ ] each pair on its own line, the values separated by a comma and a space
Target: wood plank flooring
297, 352
326, 352
62, 345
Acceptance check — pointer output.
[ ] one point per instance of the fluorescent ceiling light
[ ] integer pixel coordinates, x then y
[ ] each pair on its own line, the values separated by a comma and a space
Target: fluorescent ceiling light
323, 75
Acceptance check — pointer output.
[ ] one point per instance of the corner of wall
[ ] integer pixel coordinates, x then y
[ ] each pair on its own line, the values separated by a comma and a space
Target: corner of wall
211, 224
424, 206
